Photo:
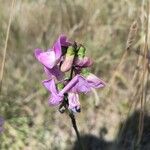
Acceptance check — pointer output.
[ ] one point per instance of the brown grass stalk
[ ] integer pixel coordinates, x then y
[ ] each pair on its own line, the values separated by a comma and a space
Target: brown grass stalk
132, 35
6, 43
144, 78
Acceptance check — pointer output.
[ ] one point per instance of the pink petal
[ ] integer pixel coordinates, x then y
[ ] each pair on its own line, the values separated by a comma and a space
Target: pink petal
62, 41
55, 97
83, 62
54, 72
82, 85
74, 103
94, 81
50, 86
46, 58
55, 100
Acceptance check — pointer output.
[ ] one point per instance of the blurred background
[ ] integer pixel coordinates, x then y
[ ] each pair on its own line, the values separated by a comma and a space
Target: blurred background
113, 32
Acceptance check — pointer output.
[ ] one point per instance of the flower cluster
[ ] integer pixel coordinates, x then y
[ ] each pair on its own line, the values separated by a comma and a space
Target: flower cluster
66, 67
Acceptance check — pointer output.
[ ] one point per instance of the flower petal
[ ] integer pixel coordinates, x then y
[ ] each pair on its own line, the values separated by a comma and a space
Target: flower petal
82, 86
55, 100
74, 103
70, 85
50, 86
78, 85
94, 81
46, 58
83, 62
62, 41
55, 97
54, 72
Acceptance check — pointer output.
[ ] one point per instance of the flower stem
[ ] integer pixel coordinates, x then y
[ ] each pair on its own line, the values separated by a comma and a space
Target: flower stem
73, 120
71, 73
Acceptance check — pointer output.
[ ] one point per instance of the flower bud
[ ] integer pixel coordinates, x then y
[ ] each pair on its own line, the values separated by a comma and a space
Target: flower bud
60, 86
85, 72
81, 52
69, 58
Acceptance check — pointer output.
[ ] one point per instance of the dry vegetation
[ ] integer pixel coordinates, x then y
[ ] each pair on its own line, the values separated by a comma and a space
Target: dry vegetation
103, 27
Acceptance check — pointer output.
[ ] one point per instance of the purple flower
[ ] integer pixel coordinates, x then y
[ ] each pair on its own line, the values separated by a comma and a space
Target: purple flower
1, 124
57, 96
86, 82
78, 84
52, 57
62, 57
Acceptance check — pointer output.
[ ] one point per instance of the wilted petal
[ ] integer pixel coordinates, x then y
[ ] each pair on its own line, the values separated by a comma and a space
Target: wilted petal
74, 103
94, 81
83, 62
54, 72
46, 58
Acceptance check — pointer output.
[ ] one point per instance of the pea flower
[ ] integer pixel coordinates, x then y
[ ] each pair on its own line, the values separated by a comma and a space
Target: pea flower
63, 58
58, 93
52, 57
66, 67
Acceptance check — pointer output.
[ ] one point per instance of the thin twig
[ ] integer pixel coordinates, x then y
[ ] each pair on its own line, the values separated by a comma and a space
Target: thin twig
6, 43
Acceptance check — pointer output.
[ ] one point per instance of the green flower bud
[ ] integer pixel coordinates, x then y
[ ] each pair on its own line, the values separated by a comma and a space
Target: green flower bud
60, 86
70, 51
85, 72
81, 52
